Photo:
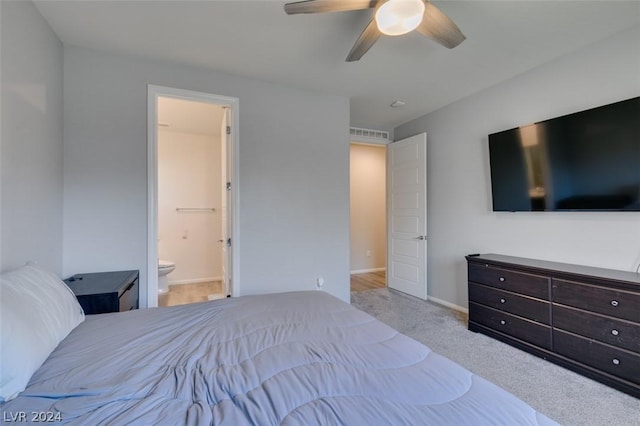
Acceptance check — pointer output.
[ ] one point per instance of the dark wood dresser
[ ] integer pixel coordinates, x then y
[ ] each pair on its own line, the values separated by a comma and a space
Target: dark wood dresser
103, 292
582, 318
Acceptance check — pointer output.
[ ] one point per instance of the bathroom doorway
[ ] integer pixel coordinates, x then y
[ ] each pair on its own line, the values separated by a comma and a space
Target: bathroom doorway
191, 175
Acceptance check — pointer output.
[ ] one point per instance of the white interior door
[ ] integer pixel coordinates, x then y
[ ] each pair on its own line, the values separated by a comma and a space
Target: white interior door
407, 215
226, 201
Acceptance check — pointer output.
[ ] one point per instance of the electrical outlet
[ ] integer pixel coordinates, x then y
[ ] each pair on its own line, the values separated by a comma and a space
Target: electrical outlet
319, 283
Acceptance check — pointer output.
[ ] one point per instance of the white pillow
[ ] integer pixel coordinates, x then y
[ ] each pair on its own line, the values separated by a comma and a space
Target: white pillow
37, 311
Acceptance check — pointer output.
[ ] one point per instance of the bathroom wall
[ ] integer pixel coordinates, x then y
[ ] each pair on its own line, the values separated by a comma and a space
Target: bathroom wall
189, 176
368, 207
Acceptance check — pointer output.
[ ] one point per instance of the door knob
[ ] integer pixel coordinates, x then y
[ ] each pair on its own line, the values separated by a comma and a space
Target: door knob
421, 237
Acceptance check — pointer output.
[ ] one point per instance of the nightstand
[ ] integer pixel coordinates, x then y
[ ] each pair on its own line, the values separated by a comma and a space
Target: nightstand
102, 292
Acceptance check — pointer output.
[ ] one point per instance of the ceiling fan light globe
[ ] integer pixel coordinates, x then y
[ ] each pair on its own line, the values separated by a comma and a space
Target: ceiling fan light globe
397, 17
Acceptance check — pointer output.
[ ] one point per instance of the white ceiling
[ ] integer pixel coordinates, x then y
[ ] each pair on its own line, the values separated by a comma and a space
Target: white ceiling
256, 39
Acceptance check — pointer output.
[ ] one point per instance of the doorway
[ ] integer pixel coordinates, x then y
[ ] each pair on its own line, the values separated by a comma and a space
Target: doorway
368, 245
192, 199
401, 180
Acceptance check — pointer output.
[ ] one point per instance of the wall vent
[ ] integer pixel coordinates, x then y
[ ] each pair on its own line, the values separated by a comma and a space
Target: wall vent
368, 135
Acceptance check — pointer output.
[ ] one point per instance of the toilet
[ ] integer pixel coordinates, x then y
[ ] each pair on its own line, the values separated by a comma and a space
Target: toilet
165, 267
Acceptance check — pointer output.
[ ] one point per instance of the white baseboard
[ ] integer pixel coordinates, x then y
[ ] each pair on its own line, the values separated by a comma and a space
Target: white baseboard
366, 271
194, 280
448, 305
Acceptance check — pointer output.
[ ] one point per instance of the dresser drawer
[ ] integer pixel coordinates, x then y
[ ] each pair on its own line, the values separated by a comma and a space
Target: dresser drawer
518, 282
534, 309
615, 303
617, 362
604, 329
521, 328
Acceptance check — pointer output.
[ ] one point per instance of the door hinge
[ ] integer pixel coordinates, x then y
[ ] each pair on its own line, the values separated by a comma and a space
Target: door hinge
228, 242
228, 130
228, 186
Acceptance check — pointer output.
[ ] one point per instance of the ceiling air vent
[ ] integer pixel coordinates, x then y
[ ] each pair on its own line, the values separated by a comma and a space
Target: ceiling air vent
368, 135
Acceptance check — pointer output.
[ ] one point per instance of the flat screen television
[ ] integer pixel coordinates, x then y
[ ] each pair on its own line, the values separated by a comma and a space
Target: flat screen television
586, 161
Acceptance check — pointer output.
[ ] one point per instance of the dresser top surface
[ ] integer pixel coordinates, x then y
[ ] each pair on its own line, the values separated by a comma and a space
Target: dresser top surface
100, 282
558, 267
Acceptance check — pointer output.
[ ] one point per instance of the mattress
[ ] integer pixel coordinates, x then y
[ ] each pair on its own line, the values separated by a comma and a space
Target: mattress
301, 358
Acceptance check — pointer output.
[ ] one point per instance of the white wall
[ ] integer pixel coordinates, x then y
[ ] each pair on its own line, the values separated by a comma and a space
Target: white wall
188, 177
31, 137
461, 219
294, 173
368, 207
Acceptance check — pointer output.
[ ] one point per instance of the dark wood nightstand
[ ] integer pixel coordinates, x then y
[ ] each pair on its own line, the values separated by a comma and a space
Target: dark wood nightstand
102, 292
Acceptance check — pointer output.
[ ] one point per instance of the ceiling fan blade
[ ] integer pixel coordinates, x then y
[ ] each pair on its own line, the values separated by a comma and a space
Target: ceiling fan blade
437, 26
368, 37
321, 6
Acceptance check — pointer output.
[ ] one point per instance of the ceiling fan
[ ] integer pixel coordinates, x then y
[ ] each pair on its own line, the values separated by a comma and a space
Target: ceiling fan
391, 17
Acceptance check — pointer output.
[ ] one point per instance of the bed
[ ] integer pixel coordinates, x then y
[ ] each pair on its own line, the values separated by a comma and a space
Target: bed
301, 358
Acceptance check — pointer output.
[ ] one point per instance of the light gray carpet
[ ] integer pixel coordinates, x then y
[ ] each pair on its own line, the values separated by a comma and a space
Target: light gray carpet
566, 397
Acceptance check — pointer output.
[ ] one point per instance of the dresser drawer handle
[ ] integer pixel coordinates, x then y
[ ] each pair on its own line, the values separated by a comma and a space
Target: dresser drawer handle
503, 300
501, 279
614, 303
615, 332
616, 361
503, 322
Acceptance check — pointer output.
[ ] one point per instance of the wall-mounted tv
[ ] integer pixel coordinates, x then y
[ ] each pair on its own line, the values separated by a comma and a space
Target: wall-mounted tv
586, 161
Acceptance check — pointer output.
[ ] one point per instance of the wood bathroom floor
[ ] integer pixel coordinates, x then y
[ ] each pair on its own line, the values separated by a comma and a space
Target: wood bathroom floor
182, 294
